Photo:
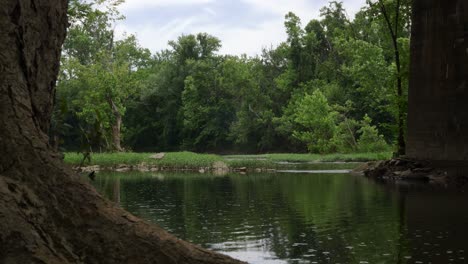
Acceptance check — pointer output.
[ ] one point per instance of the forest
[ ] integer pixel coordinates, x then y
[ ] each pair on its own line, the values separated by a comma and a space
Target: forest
335, 85
284, 137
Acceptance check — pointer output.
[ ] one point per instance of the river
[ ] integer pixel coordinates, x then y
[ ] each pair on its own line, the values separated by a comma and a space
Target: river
324, 217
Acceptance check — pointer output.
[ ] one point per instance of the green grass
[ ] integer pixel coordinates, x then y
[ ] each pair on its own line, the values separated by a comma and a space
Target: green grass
187, 159
108, 159
194, 160
171, 159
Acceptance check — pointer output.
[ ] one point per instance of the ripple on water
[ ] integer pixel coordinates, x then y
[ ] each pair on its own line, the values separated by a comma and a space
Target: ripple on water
300, 218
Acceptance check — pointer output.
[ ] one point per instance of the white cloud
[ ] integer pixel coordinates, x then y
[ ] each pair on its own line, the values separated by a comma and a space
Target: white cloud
251, 42
305, 9
156, 38
248, 41
302, 8
143, 4
238, 35
234, 41
209, 11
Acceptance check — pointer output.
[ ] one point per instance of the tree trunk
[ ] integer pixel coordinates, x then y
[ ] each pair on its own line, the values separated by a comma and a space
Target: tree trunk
47, 213
116, 126
116, 133
401, 144
401, 148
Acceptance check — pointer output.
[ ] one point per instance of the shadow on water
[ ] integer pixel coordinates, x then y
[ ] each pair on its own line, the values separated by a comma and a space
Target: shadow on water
299, 218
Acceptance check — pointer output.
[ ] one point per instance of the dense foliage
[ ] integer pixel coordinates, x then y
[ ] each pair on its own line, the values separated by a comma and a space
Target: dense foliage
335, 85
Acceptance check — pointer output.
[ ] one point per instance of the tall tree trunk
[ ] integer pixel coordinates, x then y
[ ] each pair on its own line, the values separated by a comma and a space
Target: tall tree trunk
116, 125
401, 143
401, 117
116, 134
47, 213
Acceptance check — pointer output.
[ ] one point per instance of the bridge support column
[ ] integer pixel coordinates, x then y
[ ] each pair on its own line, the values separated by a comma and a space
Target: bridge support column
438, 91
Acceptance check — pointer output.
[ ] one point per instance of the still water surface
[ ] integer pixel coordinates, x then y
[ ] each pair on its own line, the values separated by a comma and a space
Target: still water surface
299, 217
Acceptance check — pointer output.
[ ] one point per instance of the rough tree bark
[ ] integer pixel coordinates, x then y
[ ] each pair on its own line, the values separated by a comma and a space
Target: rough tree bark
47, 214
116, 126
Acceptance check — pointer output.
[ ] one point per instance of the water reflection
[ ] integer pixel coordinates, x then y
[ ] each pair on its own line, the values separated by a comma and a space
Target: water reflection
299, 218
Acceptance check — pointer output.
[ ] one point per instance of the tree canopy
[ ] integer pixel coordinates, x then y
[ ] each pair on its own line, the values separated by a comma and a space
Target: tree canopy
335, 84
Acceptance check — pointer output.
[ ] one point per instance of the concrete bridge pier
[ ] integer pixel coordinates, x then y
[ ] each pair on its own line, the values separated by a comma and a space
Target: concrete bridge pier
438, 90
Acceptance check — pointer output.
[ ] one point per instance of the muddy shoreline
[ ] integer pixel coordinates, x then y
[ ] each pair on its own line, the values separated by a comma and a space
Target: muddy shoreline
410, 170
154, 168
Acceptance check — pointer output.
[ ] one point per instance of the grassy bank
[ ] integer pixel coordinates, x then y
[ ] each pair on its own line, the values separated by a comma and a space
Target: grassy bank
196, 160
170, 159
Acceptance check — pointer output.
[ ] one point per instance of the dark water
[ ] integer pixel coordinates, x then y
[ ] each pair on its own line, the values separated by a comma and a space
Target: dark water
300, 218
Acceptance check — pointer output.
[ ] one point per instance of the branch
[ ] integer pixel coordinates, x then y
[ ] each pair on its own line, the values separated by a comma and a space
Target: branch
384, 12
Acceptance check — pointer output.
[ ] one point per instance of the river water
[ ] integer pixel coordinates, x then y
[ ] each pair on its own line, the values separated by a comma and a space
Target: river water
324, 217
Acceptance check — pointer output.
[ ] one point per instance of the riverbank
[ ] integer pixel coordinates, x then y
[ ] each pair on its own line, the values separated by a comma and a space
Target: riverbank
189, 161
408, 170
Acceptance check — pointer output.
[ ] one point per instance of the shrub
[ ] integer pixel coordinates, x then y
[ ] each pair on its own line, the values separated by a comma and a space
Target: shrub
370, 140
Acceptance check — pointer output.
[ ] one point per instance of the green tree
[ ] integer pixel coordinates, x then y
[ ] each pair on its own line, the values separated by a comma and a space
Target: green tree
317, 123
99, 74
208, 108
395, 15
49, 214
295, 41
90, 29
157, 117
347, 129
370, 85
370, 140
188, 96
108, 84
253, 129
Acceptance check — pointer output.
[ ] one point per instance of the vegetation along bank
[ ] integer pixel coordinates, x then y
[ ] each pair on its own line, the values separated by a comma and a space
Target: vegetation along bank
189, 161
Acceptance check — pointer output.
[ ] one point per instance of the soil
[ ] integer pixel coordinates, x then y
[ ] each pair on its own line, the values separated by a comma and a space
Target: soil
143, 167
405, 169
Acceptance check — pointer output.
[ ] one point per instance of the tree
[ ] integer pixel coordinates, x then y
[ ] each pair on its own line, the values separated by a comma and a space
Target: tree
48, 214
296, 45
365, 69
208, 103
90, 29
317, 123
370, 140
253, 129
191, 97
99, 74
394, 14
107, 85
157, 116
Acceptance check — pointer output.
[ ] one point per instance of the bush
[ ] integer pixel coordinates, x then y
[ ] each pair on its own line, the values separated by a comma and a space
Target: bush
370, 140
318, 123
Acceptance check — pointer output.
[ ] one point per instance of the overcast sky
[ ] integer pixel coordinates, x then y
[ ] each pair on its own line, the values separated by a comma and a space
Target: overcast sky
244, 26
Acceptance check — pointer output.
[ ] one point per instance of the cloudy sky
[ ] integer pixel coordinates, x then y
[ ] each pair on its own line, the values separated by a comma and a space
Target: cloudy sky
244, 26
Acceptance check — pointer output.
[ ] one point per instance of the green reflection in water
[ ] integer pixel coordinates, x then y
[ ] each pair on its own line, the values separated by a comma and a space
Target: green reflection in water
290, 218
